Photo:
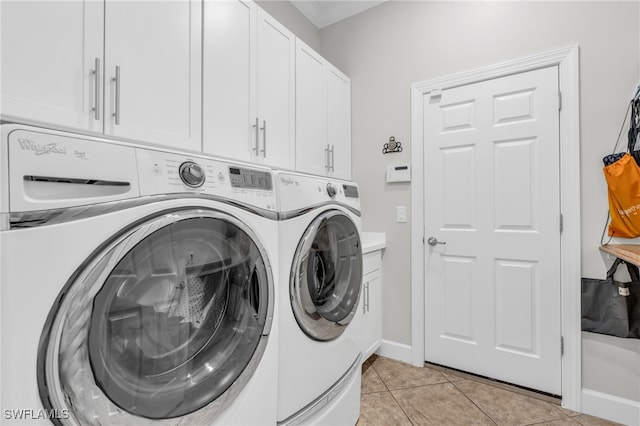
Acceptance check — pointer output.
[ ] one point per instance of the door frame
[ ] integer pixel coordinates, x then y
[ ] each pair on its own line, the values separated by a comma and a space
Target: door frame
567, 60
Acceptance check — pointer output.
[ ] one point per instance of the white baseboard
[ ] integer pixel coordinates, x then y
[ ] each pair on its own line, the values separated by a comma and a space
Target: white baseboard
395, 350
610, 407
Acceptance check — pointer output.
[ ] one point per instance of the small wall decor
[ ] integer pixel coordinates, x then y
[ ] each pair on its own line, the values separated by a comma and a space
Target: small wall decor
392, 146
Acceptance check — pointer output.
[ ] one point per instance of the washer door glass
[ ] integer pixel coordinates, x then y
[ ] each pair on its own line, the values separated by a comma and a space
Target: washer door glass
327, 276
164, 322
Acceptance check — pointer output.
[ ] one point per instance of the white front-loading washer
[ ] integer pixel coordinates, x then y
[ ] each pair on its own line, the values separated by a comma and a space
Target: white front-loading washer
321, 276
136, 285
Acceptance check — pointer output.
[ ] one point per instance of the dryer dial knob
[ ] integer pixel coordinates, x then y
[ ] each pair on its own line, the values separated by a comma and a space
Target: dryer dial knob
192, 174
331, 190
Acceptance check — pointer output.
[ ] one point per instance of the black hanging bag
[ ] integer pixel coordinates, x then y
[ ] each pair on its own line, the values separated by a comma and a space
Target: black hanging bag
612, 307
634, 302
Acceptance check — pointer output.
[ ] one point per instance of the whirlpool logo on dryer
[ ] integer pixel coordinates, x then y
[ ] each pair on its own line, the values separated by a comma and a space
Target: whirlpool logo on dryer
42, 149
288, 181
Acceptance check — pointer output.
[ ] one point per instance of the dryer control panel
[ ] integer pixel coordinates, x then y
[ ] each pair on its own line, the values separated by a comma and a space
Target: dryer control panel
297, 190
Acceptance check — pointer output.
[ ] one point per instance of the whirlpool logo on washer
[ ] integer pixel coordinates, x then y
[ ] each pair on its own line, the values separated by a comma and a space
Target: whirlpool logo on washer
42, 149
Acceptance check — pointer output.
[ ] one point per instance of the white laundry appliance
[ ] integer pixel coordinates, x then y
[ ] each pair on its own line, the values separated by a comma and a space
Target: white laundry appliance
321, 277
137, 285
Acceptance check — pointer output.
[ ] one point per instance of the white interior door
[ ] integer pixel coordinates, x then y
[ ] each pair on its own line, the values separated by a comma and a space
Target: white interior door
492, 282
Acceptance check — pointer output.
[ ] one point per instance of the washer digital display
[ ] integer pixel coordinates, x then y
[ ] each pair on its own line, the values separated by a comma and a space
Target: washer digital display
251, 179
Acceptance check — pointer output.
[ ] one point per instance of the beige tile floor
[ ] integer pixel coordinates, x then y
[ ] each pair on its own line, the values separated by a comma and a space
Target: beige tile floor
395, 393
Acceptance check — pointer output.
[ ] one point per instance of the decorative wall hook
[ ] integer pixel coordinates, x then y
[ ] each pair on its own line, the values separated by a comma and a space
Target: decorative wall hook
392, 146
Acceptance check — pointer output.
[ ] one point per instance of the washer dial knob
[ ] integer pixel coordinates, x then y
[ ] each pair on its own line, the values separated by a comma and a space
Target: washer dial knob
331, 190
192, 174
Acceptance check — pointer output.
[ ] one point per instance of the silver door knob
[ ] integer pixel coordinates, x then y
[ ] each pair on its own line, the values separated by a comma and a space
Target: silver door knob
432, 241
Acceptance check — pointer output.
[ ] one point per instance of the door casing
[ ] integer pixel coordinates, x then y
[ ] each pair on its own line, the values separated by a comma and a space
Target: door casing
567, 60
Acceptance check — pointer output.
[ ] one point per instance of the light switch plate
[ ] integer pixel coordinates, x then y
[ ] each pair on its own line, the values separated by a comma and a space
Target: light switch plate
401, 214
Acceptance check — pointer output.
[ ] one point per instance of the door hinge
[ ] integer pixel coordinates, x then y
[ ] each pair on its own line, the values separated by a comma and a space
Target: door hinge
561, 223
561, 345
559, 100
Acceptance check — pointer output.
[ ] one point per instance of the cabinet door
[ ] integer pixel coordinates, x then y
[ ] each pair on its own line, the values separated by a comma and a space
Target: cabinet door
372, 328
276, 70
229, 79
153, 71
339, 123
311, 118
49, 54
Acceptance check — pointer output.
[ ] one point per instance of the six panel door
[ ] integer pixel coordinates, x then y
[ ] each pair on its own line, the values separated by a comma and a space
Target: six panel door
493, 208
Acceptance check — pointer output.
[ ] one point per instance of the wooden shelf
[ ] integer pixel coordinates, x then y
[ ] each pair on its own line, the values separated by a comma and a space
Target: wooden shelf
627, 252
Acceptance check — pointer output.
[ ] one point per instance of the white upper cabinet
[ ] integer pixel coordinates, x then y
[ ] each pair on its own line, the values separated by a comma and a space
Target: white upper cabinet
248, 104
229, 79
221, 77
49, 54
276, 92
130, 69
153, 71
323, 116
339, 122
312, 153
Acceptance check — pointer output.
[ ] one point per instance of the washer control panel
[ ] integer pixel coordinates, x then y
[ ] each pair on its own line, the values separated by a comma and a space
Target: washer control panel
250, 178
192, 174
166, 173
331, 190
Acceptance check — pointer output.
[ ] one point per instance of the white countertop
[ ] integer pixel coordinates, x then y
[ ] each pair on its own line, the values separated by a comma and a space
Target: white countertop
372, 241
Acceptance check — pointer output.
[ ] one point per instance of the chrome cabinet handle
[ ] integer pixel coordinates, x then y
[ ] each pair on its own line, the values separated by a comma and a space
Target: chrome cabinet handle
368, 293
432, 241
264, 138
333, 159
257, 132
116, 79
96, 74
364, 299
326, 159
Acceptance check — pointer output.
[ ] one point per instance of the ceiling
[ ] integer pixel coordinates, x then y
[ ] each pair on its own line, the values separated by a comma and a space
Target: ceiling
323, 13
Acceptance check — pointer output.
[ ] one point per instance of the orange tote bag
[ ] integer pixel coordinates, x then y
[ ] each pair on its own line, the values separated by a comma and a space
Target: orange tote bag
623, 180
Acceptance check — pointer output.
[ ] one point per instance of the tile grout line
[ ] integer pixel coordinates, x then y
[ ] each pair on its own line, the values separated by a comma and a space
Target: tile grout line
447, 380
392, 396
474, 403
452, 378
566, 416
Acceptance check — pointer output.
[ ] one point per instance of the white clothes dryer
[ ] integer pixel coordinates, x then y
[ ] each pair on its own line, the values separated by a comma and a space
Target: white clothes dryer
137, 285
321, 277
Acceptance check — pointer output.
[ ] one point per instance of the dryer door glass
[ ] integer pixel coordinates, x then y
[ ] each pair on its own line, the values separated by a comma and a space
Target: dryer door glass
166, 321
327, 276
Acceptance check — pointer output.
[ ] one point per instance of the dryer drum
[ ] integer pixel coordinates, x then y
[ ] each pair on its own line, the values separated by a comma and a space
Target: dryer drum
163, 323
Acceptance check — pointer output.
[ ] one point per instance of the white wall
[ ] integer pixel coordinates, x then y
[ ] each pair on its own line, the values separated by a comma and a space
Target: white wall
389, 47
